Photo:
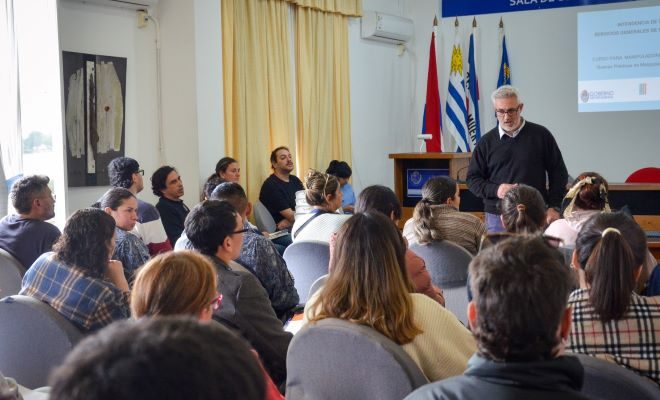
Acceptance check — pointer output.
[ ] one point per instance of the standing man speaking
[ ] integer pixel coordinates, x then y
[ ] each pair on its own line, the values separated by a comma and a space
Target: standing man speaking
516, 151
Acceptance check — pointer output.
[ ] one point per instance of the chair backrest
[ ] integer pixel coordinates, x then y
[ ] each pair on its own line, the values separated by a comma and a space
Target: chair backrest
302, 206
645, 175
337, 359
446, 262
34, 338
608, 381
317, 285
456, 301
262, 217
11, 274
307, 260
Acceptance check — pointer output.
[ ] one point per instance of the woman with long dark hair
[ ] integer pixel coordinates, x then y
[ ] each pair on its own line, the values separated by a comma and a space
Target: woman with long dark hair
78, 278
609, 319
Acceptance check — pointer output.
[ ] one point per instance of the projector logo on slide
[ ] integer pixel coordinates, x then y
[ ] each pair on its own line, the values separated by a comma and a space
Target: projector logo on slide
586, 95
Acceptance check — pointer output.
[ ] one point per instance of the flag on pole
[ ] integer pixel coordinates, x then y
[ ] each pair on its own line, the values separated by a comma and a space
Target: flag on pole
472, 91
504, 77
456, 106
431, 121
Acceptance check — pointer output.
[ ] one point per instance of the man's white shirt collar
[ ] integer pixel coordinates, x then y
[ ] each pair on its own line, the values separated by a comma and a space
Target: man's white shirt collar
514, 133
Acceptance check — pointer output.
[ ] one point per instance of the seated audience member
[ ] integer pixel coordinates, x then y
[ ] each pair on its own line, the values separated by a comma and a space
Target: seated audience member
520, 320
122, 205
436, 217
125, 173
610, 321
216, 230
324, 195
159, 358
79, 279
181, 283
587, 197
228, 170
258, 254
342, 171
382, 199
26, 235
278, 192
166, 183
523, 210
369, 285
211, 183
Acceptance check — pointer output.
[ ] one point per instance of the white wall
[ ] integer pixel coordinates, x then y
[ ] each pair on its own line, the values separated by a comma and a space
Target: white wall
542, 48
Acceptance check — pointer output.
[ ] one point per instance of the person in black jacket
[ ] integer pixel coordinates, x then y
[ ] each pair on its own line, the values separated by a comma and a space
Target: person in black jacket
521, 320
516, 151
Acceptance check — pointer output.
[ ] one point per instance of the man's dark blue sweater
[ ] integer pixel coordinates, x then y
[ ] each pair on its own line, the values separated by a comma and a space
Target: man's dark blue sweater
523, 159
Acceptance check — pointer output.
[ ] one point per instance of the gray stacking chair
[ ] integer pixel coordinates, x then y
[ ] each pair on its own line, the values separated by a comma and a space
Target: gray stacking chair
447, 264
34, 338
337, 359
318, 284
262, 217
11, 274
609, 381
307, 260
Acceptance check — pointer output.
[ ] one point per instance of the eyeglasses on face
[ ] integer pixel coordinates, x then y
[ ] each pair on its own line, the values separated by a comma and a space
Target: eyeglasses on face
510, 112
491, 239
217, 302
140, 171
239, 231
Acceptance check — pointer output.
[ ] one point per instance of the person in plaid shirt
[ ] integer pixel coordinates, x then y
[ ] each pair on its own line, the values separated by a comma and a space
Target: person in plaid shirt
77, 279
610, 321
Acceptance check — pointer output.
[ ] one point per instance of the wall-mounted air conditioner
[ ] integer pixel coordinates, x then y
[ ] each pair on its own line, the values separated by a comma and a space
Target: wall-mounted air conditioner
385, 27
128, 4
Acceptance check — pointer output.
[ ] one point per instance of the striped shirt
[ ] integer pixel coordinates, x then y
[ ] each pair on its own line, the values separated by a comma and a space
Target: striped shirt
633, 341
89, 303
448, 223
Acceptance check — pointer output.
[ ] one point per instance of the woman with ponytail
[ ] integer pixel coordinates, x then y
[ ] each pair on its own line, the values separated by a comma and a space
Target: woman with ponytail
587, 197
609, 319
523, 210
436, 217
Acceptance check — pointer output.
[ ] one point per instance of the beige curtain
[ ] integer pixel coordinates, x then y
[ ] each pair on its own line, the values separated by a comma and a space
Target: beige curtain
258, 96
258, 88
323, 88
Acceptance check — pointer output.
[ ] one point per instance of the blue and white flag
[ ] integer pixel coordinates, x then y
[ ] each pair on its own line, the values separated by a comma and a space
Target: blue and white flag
504, 77
472, 92
456, 107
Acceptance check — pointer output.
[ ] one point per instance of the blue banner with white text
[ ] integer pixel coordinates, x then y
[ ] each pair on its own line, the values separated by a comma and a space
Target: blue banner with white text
457, 8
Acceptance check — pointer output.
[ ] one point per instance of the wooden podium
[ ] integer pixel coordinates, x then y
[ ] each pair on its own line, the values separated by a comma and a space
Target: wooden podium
455, 163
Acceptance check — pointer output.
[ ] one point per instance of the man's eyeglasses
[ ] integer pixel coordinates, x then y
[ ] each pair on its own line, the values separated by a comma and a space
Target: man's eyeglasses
140, 171
510, 112
217, 302
492, 239
239, 231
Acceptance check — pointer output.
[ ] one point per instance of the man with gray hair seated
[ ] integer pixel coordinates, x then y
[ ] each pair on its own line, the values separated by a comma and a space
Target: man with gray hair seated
521, 320
26, 235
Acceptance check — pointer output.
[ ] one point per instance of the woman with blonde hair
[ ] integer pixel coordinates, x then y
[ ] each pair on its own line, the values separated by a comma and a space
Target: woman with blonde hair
181, 283
323, 193
368, 284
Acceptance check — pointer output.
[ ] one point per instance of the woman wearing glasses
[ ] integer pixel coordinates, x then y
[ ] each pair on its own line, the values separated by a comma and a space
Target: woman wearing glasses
368, 284
609, 319
323, 193
181, 283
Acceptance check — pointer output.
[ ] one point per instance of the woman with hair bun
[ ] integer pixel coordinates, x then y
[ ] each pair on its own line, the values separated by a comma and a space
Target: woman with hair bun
342, 171
587, 197
436, 217
323, 193
523, 210
609, 319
